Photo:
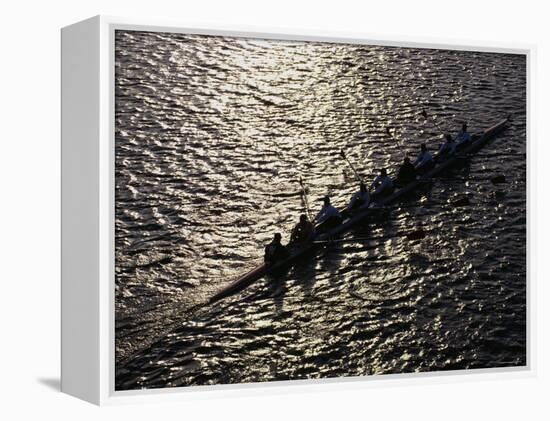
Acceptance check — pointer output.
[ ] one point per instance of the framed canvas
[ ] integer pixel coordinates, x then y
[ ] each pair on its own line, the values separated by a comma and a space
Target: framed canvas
245, 209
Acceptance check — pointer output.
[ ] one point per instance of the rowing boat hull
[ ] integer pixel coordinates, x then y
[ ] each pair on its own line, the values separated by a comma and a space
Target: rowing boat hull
261, 270
473, 147
258, 272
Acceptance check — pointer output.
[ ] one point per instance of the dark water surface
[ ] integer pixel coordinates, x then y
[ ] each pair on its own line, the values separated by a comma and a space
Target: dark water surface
212, 135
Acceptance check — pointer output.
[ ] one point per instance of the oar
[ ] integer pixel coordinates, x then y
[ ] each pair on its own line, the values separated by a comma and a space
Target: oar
425, 115
388, 131
418, 234
343, 155
304, 197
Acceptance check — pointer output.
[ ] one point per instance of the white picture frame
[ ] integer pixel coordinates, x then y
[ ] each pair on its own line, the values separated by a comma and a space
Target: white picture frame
88, 213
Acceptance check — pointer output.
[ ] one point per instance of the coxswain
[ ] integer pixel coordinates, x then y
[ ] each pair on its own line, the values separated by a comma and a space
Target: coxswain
328, 217
303, 232
360, 200
463, 137
448, 148
406, 173
424, 162
275, 251
382, 185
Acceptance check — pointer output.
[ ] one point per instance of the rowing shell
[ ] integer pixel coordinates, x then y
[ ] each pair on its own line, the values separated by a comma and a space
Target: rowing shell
295, 254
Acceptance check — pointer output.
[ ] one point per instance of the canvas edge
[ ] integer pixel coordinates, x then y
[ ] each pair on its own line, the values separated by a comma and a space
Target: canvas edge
80, 281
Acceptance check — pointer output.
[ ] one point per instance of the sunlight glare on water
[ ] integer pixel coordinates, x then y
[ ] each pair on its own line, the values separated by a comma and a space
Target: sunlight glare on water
212, 137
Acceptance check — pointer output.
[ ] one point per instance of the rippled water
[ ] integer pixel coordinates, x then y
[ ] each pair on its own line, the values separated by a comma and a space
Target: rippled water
212, 135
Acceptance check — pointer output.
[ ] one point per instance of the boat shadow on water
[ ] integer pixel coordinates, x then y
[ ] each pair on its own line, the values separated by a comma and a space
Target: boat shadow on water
301, 276
277, 282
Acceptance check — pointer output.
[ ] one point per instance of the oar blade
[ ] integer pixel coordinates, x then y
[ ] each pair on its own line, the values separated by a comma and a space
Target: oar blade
498, 179
416, 235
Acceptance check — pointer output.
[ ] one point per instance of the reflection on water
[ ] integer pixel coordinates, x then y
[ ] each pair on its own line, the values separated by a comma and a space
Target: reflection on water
212, 136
